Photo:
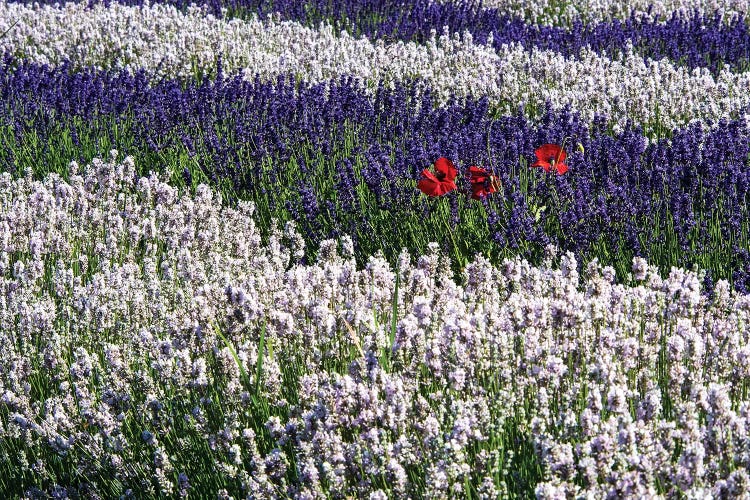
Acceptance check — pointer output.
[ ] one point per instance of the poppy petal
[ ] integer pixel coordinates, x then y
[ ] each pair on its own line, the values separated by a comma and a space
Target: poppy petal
477, 192
448, 186
443, 187
429, 175
445, 166
429, 187
477, 173
561, 168
547, 151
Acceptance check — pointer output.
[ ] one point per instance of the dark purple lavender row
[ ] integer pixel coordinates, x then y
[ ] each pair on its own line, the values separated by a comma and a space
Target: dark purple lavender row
696, 41
341, 162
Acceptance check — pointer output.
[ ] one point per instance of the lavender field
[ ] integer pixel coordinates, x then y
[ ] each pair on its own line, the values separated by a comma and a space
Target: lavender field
375, 249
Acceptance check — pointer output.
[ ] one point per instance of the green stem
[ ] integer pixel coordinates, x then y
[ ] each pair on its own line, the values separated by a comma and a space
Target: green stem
457, 254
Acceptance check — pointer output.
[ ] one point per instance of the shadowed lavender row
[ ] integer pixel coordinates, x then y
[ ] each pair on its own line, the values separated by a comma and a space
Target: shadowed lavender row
698, 39
340, 162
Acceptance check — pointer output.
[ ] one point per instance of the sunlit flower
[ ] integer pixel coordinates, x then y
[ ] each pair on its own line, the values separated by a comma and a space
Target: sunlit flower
441, 182
482, 182
551, 157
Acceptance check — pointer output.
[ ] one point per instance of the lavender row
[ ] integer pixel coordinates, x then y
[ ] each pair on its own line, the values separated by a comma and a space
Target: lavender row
695, 39
153, 346
557, 13
169, 43
341, 162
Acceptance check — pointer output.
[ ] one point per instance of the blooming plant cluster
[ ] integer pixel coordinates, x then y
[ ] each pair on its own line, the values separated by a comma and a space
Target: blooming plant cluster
282, 286
443, 180
155, 343
550, 157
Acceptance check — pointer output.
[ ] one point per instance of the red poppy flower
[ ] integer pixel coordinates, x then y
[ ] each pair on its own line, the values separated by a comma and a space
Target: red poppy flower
441, 182
482, 182
551, 157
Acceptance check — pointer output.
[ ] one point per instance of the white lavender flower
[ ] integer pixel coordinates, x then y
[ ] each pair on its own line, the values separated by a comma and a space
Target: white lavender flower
555, 13
617, 390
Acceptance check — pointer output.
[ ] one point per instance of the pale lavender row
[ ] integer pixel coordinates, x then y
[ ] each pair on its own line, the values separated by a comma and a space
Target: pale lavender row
694, 37
188, 355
